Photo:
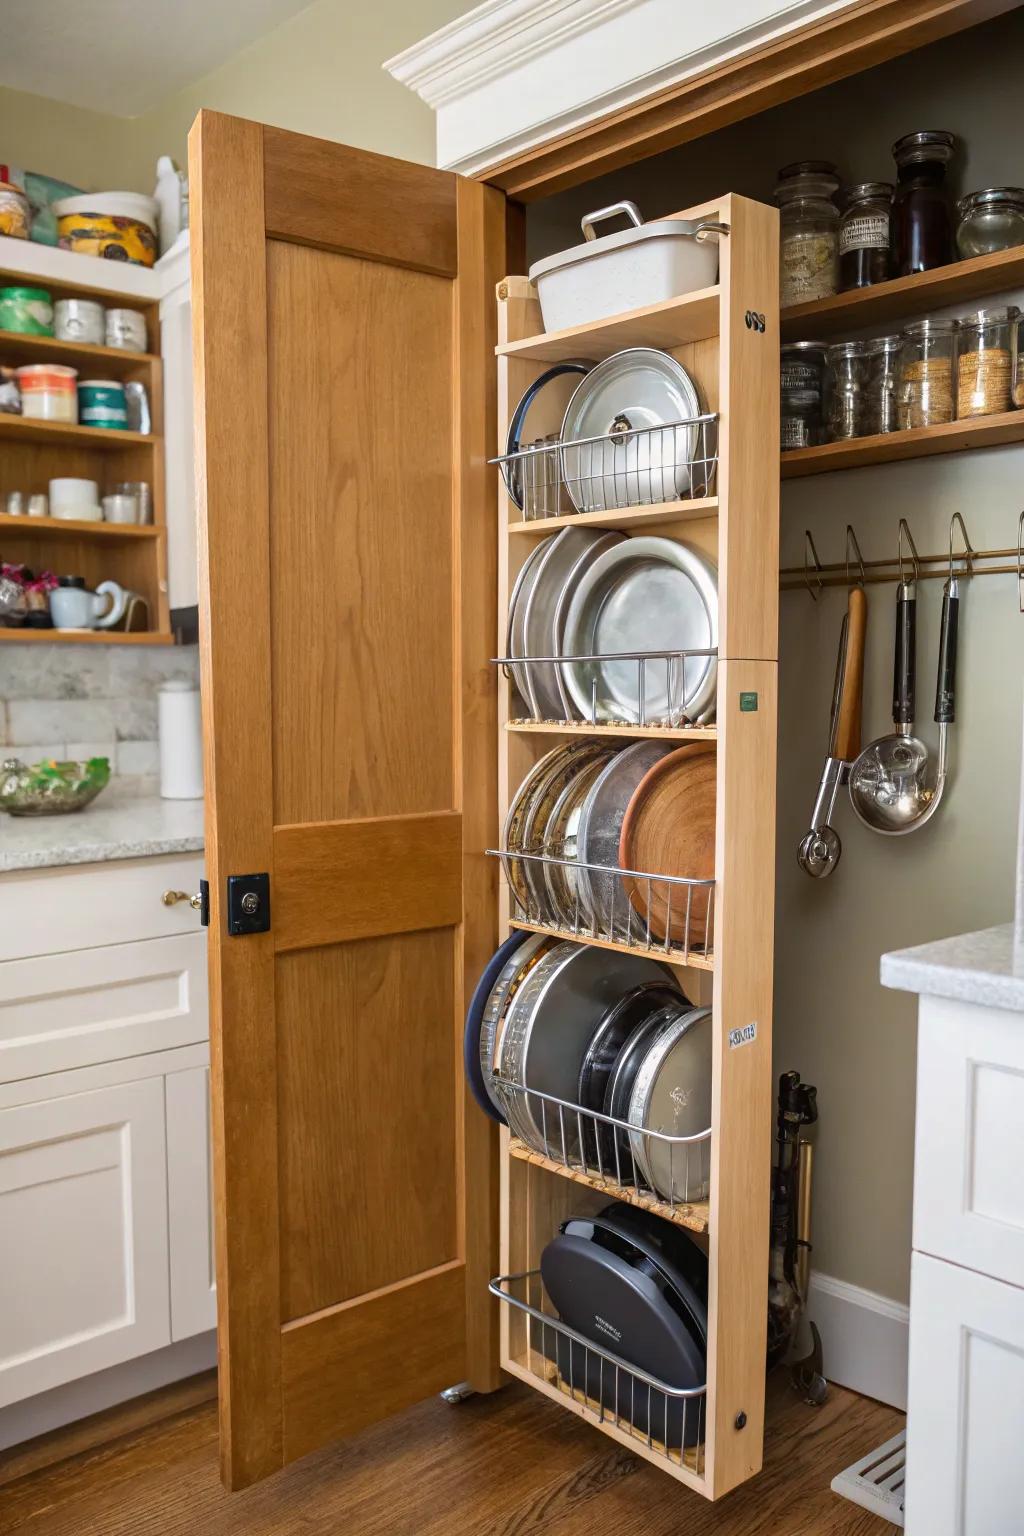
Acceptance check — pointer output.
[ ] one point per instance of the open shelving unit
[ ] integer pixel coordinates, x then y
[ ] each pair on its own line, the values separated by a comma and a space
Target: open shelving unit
33, 452
736, 369
894, 303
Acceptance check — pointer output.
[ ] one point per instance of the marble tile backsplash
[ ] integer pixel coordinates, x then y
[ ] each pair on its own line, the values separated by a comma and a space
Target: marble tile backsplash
89, 701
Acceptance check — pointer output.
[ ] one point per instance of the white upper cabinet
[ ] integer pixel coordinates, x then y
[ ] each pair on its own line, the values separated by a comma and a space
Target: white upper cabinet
176, 349
513, 73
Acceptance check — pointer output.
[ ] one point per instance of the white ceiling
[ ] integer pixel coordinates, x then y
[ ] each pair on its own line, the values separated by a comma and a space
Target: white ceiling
123, 56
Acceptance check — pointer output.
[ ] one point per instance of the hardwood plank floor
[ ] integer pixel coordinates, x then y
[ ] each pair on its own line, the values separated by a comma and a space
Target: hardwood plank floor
510, 1464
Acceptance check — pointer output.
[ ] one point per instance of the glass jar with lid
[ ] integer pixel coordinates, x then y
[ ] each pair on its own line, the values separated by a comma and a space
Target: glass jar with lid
990, 220
802, 374
984, 362
864, 235
847, 366
880, 390
809, 231
921, 226
924, 395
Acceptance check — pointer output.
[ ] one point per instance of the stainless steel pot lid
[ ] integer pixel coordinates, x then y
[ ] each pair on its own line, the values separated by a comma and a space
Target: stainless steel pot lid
600, 827
515, 641
672, 1094
548, 1029
556, 571
618, 403
646, 594
521, 957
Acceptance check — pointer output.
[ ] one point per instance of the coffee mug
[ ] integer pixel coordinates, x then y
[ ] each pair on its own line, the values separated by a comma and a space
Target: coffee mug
77, 608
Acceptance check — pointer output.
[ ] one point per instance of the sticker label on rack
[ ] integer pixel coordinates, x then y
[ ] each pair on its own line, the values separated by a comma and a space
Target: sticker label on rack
742, 1036
748, 703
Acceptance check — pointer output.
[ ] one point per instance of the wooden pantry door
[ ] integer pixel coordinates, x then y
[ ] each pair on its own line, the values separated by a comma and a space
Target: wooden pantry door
344, 333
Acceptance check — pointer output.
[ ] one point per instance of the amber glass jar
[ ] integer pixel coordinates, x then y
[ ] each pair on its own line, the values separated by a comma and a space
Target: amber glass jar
921, 227
864, 235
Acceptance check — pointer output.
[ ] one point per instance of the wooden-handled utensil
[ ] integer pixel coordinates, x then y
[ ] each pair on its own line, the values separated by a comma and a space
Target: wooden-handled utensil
820, 848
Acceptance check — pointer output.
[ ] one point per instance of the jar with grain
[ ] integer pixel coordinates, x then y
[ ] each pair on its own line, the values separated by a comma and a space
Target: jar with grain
990, 220
921, 227
924, 395
864, 235
983, 363
809, 231
847, 366
883, 366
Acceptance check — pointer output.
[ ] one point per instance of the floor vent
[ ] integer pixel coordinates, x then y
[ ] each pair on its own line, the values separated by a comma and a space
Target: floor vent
876, 1481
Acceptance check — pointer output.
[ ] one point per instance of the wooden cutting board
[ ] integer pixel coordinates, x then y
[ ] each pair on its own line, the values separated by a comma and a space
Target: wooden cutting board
669, 829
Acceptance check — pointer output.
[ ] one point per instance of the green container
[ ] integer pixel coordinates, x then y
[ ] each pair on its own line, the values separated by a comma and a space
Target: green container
26, 310
101, 403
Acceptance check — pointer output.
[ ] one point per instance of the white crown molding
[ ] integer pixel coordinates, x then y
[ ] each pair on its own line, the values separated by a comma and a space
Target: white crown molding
513, 74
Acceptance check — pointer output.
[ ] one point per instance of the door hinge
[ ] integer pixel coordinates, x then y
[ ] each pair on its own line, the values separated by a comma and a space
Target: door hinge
248, 904
204, 903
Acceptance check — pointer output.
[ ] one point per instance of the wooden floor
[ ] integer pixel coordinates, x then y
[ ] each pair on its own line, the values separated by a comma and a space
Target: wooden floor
508, 1465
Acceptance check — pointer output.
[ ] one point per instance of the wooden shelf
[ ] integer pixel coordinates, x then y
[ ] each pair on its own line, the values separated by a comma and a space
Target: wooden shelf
82, 637
694, 1215
66, 527
25, 429
671, 323
904, 297
621, 732
693, 962
115, 362
919, 443
656, 516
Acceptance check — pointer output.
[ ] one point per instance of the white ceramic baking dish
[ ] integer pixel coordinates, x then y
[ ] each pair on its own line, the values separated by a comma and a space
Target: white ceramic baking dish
627, 270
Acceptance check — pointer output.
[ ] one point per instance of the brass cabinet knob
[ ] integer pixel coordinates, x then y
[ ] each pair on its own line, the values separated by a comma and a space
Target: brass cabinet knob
171, 898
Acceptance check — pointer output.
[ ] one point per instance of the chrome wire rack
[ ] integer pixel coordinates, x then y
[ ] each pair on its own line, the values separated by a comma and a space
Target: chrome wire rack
630, 466
671, 915
660, 685
650, 1166
668, 1420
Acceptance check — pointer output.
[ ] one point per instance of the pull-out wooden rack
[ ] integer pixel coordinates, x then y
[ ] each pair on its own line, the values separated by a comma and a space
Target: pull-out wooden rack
735, 364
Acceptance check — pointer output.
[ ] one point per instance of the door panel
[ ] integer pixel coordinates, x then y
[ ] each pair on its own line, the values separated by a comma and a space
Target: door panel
372, 1200
344, 338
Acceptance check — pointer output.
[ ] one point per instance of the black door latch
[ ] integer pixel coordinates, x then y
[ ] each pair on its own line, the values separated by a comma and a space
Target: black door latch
248, 904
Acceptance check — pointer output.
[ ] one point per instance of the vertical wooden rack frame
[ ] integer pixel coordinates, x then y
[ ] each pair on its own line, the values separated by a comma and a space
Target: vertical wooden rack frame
727, 338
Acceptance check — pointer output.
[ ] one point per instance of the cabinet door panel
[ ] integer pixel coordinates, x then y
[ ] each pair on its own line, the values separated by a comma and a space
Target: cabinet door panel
83, 1232
343, 310
190, 1202
965, 1403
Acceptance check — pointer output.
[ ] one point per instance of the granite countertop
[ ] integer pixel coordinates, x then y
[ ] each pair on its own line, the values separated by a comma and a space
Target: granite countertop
129, 827
980, 968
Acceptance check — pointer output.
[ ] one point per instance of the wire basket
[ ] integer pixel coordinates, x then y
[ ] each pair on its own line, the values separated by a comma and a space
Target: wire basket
664, 915
649, 1167
669, 1420
627, 467
661, 682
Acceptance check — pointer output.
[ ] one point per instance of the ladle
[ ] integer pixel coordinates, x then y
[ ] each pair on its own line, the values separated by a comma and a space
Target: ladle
889, 783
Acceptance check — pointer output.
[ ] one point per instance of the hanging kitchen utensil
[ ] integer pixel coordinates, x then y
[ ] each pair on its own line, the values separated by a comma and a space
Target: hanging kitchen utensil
516, 470
820, 848
797, 1107
889, 784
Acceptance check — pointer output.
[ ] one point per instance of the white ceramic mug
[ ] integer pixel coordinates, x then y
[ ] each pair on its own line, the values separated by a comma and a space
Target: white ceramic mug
69, 492
77, 608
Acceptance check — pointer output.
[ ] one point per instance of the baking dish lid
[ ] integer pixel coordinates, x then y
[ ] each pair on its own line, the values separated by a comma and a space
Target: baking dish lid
658, 229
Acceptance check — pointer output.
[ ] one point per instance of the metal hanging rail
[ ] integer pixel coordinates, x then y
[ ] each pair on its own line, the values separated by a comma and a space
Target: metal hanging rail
813, 575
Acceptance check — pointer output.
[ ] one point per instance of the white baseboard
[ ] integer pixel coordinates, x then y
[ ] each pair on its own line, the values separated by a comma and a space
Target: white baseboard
91, 1394
864, 1337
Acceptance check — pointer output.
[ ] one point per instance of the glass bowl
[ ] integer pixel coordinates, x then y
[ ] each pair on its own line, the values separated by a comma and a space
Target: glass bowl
50, 788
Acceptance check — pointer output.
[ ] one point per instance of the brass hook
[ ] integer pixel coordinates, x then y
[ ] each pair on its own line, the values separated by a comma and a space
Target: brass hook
905, 534
810, 549
968, 549
1020, 561
851, 542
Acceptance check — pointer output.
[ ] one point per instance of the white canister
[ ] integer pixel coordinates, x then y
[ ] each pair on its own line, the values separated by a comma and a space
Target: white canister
181, 741
126, 328
80, 320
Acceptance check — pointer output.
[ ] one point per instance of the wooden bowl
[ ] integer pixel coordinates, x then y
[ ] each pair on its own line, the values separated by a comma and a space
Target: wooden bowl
669, 829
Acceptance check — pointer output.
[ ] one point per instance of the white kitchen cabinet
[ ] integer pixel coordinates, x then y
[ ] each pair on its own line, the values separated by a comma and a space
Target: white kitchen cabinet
190, 1202
965, 1475
83, 1231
